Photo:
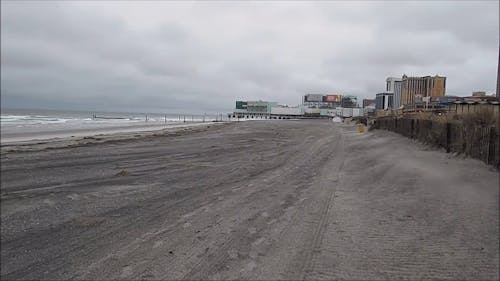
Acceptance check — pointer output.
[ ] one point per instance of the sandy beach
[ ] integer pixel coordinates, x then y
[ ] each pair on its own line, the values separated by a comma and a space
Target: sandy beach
267, 200
9, 137
76, 137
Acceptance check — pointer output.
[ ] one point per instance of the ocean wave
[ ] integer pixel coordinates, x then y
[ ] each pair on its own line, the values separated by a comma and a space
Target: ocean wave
33, 119
19, 122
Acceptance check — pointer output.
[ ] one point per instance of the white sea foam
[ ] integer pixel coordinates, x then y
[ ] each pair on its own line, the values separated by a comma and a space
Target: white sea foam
25, 124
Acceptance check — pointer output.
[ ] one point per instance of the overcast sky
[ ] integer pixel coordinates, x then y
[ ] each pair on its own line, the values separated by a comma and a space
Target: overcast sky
202, 56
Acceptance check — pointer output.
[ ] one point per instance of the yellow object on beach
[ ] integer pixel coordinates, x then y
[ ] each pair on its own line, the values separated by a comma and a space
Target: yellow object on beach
361, 128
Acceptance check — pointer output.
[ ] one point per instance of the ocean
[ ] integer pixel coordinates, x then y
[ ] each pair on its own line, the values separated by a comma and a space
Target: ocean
29, 124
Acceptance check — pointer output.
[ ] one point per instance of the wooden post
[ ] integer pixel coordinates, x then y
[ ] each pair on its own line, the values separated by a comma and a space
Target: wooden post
165, 118
496, 146
489, 145
184, 118
448, 137
412, 128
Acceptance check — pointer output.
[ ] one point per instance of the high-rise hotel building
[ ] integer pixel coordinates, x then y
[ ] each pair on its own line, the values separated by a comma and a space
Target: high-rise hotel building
414, 89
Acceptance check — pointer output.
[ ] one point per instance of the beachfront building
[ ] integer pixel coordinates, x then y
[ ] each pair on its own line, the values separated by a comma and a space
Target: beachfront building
316, 105
415, 89
393, 85
479, 94
331, 105
384, 101
349, 101
322, 101
253, 109
398, 85
369, 102
285, 112
369, 106
264, 110
313, 105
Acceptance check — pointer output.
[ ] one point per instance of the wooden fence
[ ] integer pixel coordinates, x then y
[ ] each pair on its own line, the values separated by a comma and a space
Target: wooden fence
480, 142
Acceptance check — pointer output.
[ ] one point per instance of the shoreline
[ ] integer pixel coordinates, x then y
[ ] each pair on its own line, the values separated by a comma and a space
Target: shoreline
17, 137
77, 138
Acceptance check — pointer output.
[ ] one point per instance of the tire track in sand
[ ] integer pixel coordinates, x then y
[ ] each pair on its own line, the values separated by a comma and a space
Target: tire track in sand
328, 182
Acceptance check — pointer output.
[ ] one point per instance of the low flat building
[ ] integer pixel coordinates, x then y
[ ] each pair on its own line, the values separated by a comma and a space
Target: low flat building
349, 101
479, 94
368, 102
312, 112
265, 110
384, 101
478, 98
321, 101
253, 109
285, 112
448, 99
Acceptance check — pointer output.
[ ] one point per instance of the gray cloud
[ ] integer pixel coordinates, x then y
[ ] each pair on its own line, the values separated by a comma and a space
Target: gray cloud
200, 57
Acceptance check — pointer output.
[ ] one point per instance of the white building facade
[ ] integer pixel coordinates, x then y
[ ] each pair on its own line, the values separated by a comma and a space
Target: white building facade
394, 85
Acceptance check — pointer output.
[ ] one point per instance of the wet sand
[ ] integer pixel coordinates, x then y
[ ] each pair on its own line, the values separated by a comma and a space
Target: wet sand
306, 199
12, 137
